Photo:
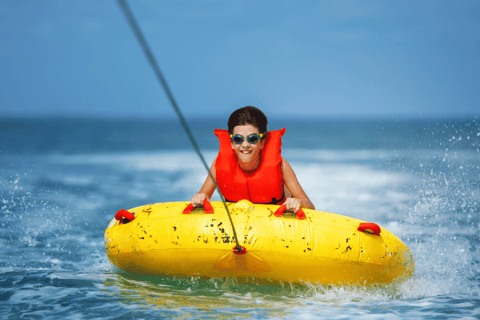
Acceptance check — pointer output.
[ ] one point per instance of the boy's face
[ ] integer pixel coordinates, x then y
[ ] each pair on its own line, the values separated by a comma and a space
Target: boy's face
248, 153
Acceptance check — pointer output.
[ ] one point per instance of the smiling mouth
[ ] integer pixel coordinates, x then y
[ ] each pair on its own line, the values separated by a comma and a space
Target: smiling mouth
246, 151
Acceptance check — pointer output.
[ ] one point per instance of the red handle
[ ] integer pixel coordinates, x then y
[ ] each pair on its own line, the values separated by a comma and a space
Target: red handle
370, 228
206, 206
237, 250
124, 214
280, 211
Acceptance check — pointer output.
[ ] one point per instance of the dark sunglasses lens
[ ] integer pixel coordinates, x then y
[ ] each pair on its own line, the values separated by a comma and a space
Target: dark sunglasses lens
237, 139
253, 138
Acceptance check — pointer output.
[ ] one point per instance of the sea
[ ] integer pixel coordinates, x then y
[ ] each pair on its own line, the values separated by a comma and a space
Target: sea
62, 179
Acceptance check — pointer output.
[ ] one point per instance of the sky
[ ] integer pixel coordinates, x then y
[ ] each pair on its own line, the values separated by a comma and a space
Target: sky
289, 58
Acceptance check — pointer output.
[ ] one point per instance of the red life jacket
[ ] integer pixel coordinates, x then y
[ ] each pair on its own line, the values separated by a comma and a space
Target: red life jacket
264, 185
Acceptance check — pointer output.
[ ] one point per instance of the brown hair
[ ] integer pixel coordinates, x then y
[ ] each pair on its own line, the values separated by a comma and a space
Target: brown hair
248, 115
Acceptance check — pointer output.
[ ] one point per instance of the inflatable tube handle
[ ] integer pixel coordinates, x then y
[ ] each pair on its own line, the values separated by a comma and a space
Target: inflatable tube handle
280, 211
206, 206
188, 209
123, 215
237, 251
370, 228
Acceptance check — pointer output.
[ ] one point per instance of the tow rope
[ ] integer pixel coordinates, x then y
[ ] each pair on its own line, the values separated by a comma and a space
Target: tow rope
143, 43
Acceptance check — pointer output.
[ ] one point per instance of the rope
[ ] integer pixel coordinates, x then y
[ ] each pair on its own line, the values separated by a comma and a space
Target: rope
143, 43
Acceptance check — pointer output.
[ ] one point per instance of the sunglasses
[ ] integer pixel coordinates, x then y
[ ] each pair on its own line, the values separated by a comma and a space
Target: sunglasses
253, 138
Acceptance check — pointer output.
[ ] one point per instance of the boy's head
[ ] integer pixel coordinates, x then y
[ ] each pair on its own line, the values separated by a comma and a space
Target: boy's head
248, 115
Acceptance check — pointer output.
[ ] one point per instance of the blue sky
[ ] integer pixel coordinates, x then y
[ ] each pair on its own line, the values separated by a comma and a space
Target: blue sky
289, 58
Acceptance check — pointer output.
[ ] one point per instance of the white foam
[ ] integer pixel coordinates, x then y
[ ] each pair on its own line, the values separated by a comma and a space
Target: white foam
159, 161
326, 155
351, 189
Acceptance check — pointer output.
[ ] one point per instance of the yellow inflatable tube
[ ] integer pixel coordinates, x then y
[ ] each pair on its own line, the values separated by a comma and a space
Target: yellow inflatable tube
323, 248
